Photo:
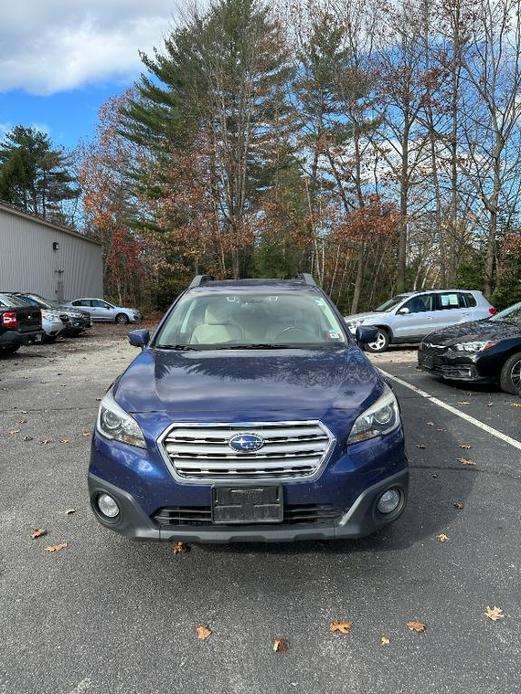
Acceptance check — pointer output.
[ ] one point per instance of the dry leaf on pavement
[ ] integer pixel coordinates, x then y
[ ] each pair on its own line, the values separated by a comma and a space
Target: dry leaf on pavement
181, 548
65, 440
13, 432
22, 421
203, 632
56, 548
466, 446
86, 433
462, 402
420, 445
385, 641
416, 626
280, 645
70, 511
459, 505
466, 461
442, 537
45, 441
38, 532
494, 613
515, 404
343, 627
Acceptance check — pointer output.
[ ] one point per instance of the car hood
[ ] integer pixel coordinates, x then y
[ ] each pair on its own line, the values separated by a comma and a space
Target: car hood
477, 330
369, 317
242, 385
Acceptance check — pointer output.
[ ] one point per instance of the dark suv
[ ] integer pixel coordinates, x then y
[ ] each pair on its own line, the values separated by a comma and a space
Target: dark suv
250, 414
19, 324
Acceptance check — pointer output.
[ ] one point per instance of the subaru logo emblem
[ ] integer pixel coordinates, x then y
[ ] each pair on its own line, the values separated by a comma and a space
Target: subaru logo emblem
246, 443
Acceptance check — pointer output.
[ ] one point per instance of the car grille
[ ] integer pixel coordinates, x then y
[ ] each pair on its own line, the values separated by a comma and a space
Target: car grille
291, 450
304, 514
429, 350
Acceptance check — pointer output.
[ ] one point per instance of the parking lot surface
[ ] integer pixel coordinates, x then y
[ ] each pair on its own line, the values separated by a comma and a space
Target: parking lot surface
106, 615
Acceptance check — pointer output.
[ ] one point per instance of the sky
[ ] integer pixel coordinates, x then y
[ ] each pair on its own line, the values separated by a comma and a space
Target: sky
60, 60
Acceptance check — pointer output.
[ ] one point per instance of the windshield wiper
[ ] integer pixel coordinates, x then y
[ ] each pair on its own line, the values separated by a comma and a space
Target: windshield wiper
260, 345
177, 348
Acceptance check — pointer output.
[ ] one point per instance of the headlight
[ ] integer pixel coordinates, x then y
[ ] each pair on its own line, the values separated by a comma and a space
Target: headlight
114, 423
381, 418
473, 346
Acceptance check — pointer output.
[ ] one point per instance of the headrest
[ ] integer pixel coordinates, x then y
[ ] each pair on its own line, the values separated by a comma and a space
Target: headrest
217, 314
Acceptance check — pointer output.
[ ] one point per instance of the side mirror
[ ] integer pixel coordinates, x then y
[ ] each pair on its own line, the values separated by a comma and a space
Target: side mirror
365, 334
403, 311
139, 338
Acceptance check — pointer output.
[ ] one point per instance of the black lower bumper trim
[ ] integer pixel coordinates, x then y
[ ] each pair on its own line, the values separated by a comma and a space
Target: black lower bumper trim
361, 519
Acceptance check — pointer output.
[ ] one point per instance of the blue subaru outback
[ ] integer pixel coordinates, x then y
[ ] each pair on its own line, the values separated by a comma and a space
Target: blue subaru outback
251, 414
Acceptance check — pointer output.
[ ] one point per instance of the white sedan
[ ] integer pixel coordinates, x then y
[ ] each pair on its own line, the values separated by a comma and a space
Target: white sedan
101, 310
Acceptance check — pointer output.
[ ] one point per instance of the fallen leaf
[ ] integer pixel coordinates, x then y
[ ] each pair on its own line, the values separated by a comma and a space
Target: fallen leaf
65, 440
459, 505
343, 627
465, 446
28, 438
435, 475
494, 613
181, 548
85, 433
280, 645
442, 537
420, 445
56, 548
70, 511
515, 404
99, 399
22, 421
45, 441
416, 626
203, 632
385, 641
466, 461
38, 532
440, 429
430, 424
490, 404
13, 432
462, 402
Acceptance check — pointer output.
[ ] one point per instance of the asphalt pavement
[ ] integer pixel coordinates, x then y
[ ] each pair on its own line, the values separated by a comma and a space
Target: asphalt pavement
106, 615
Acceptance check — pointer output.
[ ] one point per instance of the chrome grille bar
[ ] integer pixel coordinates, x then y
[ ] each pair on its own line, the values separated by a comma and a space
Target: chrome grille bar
291, 450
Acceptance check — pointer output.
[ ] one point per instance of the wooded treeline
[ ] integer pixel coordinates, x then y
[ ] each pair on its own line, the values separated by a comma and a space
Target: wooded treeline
376, 145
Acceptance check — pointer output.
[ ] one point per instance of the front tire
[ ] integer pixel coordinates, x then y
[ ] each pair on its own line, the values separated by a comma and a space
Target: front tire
510, 380
122, 319
381, 343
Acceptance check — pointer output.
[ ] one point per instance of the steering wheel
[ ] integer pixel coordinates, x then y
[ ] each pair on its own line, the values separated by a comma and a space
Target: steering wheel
302, 333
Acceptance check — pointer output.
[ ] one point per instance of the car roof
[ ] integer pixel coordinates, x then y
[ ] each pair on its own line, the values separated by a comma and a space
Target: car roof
222, 286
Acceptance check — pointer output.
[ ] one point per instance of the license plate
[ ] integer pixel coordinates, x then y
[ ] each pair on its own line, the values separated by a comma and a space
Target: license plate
235, 505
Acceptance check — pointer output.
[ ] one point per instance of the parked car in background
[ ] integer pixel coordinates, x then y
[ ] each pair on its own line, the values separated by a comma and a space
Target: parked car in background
408, 317
20, 324
101, 310
250, 415
487, 351
74, 320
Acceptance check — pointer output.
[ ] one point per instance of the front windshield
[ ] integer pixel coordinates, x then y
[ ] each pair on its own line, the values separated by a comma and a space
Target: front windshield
391, 303
512, 314
282, 319
33, 301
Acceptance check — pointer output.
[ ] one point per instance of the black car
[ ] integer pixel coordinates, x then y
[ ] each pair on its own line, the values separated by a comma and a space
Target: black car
486, 351
19, 324
74, 320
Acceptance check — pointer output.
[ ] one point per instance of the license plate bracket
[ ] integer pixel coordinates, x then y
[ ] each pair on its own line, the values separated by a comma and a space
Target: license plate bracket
247, 504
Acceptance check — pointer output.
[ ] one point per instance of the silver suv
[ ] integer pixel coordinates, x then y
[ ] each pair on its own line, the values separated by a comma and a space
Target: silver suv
407, 318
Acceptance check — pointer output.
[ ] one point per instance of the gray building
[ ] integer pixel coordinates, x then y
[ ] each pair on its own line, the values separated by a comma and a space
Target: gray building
46, 258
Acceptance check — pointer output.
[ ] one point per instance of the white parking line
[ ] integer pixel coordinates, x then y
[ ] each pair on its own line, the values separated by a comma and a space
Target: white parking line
472, 420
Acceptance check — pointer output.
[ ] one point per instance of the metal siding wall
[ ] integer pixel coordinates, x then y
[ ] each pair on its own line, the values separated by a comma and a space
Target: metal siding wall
28, 262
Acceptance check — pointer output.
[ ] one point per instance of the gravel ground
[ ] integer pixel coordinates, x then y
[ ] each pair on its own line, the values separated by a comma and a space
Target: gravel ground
106, 615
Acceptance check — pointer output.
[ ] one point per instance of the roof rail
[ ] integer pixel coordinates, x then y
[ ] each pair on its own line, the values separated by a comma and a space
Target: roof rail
200, 279
307, 278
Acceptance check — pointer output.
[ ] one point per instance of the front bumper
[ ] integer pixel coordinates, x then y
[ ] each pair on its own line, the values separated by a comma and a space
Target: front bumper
360, 520
452, 366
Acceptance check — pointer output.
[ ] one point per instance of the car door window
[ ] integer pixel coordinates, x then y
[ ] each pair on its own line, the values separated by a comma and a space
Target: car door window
468, 300
98, 304
449, 301
419, 304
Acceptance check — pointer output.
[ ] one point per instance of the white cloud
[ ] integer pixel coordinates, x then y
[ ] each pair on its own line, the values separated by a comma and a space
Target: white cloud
48, 46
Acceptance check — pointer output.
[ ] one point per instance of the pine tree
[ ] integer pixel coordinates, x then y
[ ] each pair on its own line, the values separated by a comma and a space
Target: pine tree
33, 175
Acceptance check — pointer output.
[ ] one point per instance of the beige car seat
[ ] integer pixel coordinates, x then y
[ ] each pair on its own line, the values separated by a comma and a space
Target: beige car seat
217, 328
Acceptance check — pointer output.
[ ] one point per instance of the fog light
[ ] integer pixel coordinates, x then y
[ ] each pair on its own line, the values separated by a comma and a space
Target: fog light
389, 501
108, 506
